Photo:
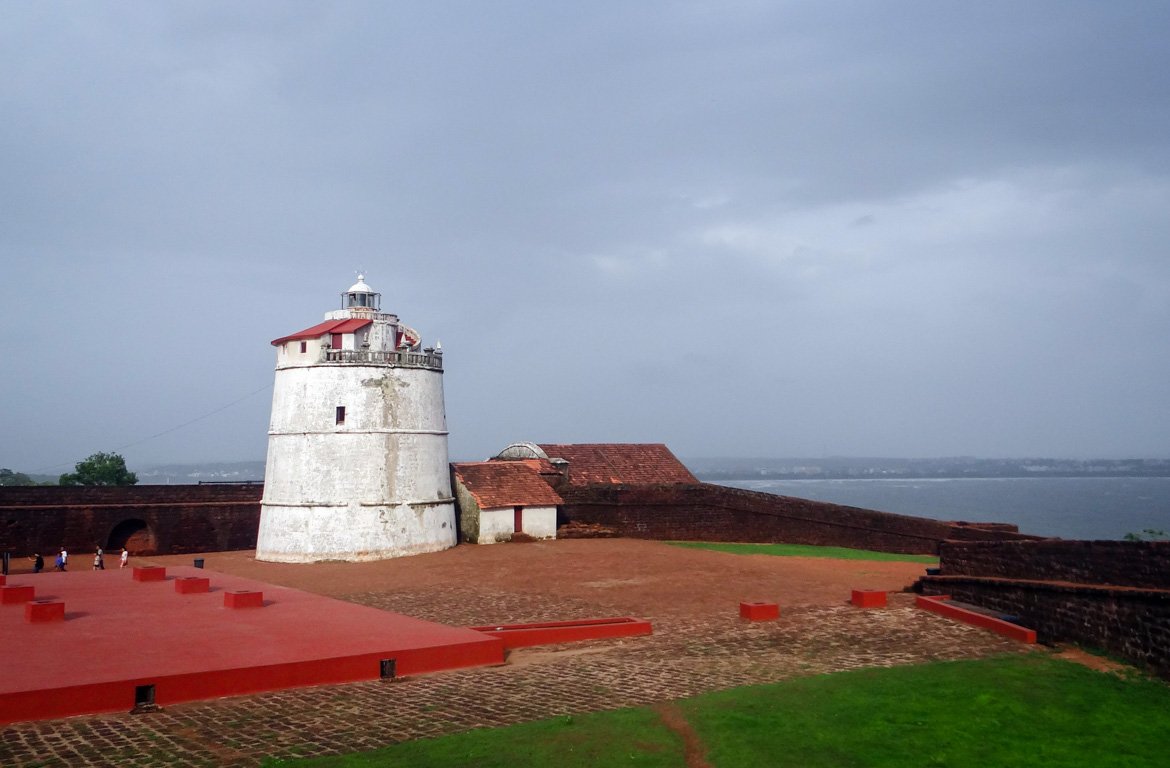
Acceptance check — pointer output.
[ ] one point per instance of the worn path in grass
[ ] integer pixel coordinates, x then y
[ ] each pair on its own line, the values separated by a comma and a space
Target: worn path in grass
699, 644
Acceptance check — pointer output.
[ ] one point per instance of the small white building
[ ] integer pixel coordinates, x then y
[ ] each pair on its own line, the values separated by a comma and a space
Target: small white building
498, 499
357, 446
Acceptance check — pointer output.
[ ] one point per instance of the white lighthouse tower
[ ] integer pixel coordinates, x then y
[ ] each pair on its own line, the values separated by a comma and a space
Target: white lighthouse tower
357, 447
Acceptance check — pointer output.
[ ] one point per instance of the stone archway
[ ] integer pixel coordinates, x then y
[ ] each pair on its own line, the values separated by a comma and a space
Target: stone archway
135, 535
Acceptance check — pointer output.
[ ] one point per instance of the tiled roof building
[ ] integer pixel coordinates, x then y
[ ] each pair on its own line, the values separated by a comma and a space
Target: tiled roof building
500, 499
505, 483
619, 463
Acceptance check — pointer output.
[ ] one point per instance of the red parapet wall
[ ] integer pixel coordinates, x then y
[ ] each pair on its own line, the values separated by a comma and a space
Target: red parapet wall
942, 606
759, 611
549, 632
868, 598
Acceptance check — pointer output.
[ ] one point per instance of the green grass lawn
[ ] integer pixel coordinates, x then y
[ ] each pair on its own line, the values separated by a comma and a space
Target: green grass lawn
1029, 710
805, 550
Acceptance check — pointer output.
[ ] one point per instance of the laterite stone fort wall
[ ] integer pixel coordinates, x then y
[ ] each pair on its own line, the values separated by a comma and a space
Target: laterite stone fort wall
708, 512
1111, 595
155, 518
1131, 563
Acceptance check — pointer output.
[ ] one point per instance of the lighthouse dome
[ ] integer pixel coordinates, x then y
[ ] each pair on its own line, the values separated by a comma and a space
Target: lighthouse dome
360, 286
361, 296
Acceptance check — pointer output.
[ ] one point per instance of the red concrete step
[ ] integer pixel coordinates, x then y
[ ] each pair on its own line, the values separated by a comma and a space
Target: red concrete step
549, 632
944, 606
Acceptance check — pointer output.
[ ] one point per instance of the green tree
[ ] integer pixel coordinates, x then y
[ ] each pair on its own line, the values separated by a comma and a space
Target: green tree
8, 477
1148, 534
100, 469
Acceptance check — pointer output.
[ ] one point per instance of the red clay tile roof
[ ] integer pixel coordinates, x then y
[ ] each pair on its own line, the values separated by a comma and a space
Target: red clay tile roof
497, 484
620, 463
320, 329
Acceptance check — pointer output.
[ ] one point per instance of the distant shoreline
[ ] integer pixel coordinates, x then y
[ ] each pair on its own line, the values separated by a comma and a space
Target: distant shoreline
721, 476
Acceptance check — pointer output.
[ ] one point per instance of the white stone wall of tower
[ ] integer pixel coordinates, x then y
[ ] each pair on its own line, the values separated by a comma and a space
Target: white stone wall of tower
374, 487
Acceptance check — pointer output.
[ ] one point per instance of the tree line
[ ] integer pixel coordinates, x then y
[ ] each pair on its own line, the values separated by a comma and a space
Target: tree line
98, 469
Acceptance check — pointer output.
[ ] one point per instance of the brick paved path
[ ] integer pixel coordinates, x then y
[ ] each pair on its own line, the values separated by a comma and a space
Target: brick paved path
685, 656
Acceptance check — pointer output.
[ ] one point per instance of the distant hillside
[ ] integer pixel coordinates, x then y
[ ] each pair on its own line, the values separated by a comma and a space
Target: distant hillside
214, 472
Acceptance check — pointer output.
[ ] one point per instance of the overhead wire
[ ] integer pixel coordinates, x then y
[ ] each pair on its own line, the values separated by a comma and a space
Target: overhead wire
171, 429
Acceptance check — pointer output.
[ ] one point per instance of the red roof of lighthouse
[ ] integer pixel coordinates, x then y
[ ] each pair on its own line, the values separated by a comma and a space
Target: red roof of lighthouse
320, 329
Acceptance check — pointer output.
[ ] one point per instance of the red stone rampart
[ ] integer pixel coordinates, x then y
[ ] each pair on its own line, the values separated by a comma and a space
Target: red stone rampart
1110, 595
209, 518
163, 519
707, 512
1128, 563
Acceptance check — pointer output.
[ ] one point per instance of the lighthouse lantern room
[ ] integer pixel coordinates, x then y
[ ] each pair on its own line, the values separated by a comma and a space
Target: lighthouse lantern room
357, 444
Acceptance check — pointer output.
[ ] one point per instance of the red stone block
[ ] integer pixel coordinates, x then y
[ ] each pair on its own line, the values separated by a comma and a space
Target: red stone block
191, 585
869, 598
44, 610
243, 599
759, 611
150, 573
16, 594
3, 579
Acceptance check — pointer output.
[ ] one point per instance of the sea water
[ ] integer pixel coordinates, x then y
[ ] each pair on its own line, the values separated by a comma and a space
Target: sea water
1071, 508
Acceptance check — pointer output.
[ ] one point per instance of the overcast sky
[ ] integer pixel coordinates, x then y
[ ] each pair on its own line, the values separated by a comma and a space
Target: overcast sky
739, 228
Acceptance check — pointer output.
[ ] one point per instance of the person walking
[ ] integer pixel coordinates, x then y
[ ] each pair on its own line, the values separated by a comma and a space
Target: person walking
98, 564
38, 562
60, 563
125, 558
64, 558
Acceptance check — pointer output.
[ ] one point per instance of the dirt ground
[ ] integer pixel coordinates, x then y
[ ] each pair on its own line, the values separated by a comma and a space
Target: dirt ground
699, 644
634, 576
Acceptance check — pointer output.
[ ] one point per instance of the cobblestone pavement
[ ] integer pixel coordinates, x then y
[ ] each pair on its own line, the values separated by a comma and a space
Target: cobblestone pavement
685, 656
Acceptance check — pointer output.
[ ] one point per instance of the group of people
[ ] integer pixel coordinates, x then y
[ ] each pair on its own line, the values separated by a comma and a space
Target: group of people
62, 562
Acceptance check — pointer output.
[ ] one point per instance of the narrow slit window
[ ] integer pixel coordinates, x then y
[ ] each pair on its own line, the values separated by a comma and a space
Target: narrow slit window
304, 347
341, 414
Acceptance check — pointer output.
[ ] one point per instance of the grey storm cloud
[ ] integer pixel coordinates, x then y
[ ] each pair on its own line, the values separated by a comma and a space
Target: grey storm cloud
740, 228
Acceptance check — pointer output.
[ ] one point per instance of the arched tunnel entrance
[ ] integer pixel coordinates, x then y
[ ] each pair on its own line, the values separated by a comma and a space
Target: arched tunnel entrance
135, 535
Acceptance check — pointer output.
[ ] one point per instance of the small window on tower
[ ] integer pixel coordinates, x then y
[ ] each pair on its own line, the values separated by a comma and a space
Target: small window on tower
341, 414
304, 347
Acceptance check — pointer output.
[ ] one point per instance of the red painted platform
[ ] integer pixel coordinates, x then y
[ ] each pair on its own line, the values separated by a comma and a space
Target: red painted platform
941, 605
120, 635
549, 632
